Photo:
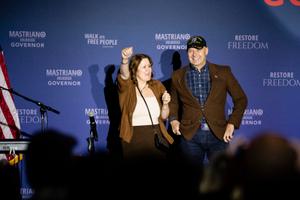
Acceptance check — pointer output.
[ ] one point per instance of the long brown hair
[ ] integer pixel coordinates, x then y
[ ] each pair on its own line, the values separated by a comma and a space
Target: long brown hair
135, 62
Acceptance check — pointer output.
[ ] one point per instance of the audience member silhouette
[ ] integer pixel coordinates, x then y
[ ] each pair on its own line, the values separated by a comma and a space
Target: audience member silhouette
219, 177
264, 168
9, 181
48, 164
139, 177
269, 168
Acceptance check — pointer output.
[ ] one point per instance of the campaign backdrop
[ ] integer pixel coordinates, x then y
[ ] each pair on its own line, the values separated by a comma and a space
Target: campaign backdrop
66, 54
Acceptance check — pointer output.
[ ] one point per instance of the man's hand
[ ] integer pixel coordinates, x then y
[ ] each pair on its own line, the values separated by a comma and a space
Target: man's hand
175, 127
228, 135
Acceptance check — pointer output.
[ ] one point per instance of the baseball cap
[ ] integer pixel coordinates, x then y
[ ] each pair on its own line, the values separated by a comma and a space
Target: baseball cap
197, 42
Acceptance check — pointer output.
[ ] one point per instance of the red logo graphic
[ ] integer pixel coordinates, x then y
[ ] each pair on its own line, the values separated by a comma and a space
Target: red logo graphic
276, 3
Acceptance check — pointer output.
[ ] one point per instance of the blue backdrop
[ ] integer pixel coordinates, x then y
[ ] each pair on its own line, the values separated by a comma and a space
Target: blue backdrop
66, 54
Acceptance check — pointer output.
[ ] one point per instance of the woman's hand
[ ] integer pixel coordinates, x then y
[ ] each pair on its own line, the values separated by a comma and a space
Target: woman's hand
126, 54
124, 69
166, 98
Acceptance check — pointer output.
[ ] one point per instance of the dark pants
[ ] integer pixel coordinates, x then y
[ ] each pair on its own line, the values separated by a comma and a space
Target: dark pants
204, 143
142, 144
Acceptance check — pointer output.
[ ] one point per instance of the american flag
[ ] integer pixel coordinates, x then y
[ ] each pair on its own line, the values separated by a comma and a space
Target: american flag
9, 120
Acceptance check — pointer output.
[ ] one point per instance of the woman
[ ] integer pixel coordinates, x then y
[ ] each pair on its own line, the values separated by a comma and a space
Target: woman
136, 128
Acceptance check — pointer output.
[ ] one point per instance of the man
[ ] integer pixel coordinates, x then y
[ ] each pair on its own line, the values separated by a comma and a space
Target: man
201, 89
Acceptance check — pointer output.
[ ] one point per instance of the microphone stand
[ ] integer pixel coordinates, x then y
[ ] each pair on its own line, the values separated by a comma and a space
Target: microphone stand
93, 136
43, 107
91, 141
91, 145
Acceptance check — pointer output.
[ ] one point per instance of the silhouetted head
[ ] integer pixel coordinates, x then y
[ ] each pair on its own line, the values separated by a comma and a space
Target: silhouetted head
269, 168
48, 158
269, 155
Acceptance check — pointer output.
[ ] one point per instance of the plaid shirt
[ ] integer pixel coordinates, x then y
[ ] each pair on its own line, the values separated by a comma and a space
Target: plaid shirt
199, 83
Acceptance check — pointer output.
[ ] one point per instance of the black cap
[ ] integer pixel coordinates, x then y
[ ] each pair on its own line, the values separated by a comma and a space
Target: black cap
197, 42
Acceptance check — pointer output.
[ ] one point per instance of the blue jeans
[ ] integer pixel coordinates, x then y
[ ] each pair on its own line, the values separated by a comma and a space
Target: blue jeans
204, 143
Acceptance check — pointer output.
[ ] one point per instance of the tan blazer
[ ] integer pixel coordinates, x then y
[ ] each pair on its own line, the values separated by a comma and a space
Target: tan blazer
127, 98
222, 82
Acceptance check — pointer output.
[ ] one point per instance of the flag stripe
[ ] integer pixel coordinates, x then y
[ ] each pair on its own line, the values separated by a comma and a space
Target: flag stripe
7, 104
9, 120
4, 70
5, 130
9, 96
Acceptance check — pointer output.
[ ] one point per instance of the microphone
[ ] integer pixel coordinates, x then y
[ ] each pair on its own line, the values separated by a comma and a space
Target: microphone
93, 126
